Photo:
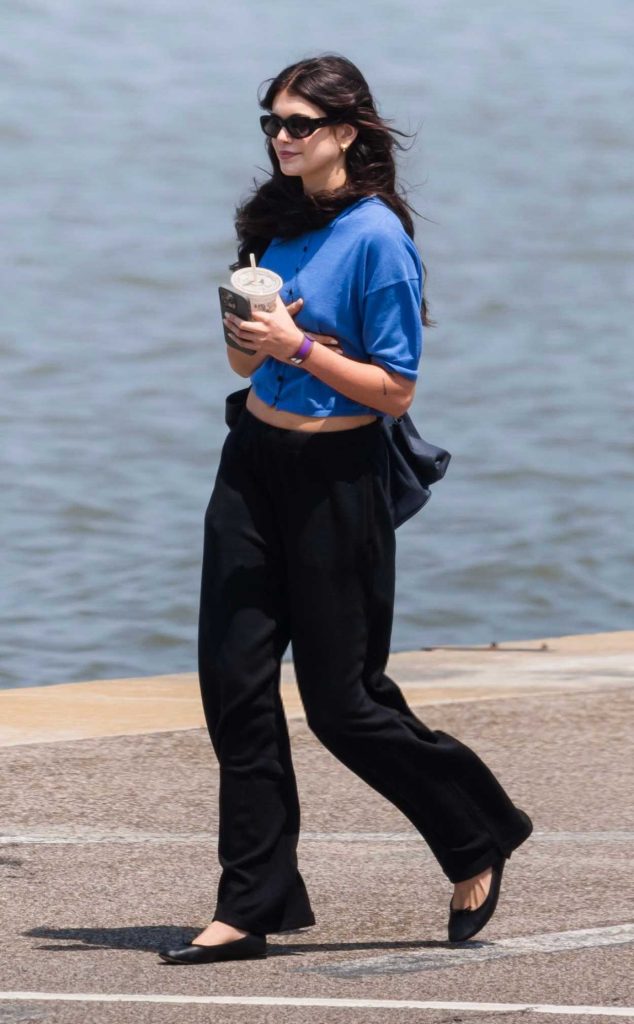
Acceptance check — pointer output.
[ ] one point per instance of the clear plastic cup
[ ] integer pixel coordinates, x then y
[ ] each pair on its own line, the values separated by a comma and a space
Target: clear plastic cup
260, 286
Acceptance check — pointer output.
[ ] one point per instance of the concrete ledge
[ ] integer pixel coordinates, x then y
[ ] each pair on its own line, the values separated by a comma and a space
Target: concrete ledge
117, 707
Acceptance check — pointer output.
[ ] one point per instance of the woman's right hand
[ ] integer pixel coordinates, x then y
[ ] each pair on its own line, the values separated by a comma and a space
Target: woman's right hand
323, 339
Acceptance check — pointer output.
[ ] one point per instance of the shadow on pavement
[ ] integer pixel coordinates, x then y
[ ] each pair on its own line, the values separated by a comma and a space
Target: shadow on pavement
157, 937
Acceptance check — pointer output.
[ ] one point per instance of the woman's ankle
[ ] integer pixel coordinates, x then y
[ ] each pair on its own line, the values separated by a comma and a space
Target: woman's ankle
219, 931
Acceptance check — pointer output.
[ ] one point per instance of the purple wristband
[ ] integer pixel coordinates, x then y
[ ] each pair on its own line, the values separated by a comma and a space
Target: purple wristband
303, 350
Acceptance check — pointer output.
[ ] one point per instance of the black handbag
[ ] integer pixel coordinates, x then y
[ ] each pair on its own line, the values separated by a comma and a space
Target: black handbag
413, 464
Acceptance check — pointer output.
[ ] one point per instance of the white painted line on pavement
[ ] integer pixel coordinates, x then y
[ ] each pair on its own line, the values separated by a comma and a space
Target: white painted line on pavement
372, 1004
68, 834
473, 951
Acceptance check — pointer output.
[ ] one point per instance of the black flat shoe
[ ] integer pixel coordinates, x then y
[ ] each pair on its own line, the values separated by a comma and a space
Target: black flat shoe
463, 924
249, 947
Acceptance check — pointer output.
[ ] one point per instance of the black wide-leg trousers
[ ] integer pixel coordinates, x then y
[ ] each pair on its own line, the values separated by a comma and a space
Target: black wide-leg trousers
299, 547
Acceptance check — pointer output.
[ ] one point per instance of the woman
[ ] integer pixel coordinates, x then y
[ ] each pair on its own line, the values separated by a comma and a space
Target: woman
299, 543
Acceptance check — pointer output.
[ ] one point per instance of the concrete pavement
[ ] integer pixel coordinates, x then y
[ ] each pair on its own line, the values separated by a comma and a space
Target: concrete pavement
437, 675
108, 843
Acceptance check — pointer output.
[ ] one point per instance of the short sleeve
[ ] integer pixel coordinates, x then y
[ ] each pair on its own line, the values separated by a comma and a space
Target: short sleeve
391, 301
392, 327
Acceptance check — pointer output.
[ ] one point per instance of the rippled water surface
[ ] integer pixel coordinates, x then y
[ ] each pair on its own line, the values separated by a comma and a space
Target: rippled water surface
129, 132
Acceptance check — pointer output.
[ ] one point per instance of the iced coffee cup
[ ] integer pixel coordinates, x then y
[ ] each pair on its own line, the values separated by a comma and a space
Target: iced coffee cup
259, 285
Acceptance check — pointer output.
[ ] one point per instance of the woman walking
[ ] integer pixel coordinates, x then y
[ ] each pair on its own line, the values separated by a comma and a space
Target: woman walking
299, 543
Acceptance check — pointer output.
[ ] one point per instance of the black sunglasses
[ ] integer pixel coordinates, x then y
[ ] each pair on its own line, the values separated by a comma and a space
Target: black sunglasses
298, 126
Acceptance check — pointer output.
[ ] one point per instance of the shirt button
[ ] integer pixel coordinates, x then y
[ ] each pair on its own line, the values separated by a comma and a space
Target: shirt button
305, 248
280, 378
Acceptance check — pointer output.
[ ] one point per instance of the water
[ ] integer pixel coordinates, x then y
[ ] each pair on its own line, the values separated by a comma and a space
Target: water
129, 133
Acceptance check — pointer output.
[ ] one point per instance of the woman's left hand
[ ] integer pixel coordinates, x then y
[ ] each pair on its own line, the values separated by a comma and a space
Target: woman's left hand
275, 334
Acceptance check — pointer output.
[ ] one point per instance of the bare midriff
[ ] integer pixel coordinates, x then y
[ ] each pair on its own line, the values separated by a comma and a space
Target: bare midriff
294, 421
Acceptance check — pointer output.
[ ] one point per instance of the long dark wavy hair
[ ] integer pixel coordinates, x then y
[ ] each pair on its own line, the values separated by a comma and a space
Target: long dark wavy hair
280, 208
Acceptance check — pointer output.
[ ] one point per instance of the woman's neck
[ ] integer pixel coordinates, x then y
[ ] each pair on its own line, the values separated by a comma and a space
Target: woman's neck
335, 179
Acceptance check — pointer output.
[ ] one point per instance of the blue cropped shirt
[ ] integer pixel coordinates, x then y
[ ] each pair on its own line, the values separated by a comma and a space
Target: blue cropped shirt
361, 279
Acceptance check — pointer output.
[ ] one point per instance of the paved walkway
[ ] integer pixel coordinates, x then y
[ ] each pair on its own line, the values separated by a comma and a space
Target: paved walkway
109, 836
118, 707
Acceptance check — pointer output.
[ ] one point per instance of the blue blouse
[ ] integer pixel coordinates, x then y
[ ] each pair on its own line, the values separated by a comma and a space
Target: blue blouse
361, 279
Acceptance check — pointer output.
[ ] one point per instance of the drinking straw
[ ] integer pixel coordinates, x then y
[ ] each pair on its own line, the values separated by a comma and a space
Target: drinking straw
253, 264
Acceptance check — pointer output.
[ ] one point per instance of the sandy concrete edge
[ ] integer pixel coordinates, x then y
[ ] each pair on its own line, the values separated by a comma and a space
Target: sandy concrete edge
115, 707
